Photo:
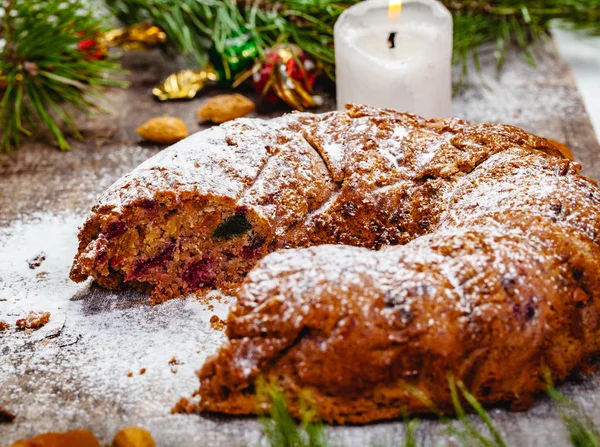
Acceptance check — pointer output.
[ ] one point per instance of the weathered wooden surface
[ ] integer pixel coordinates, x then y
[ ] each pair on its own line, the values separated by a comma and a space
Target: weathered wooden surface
73, 372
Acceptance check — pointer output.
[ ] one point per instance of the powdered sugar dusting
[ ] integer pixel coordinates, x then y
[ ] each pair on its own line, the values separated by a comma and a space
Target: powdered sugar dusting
94, 338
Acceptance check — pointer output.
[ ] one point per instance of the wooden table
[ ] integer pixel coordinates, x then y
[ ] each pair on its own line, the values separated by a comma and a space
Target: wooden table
73, 372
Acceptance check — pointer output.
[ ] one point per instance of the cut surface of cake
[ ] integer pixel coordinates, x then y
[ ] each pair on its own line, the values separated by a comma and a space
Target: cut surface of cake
203, 212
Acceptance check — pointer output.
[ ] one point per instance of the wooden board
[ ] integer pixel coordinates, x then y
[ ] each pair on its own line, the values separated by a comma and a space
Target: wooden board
73, 372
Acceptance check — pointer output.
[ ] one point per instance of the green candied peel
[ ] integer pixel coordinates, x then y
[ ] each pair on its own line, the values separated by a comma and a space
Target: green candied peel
236, 225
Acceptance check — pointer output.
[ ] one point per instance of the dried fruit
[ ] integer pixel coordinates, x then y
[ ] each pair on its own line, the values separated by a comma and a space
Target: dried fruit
4, 326
79, 438
33, 320
133, 437
163, 129
221, 108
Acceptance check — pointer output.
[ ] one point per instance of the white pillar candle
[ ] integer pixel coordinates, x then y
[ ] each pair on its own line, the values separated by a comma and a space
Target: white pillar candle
414, 76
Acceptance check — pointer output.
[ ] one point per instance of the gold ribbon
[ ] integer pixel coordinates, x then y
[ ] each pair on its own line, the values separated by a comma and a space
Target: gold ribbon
184, 84
142, 36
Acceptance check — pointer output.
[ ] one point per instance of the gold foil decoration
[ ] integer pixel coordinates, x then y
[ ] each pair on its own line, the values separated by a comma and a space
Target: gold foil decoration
184, 84
142, 36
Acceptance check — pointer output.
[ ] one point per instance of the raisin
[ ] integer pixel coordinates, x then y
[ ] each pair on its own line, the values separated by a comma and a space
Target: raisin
257, 242
148, 204
236, 225
115, 229
556, 208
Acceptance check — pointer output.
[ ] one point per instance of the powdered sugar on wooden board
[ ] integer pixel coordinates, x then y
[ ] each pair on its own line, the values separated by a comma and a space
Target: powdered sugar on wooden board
95, 338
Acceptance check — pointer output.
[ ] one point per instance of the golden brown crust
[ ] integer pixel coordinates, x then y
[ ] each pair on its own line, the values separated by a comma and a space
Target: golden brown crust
366, 177
494, 277
502, 284
491, 304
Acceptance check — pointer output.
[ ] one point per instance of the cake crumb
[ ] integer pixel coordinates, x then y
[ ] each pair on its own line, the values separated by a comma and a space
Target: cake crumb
217, 324
34, 320
142, 371
183, 406
6, 416
174, 362
36, 261
3, 326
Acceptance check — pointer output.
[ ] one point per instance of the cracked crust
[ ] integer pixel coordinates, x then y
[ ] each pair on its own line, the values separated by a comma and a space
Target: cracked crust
506, 288
488, 267
203, 212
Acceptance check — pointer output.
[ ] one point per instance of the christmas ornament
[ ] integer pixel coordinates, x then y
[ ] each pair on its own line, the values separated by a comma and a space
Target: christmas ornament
141, 36
228, 59
221, 108
184, 84
92, 48
163, 129
286, 73
233, 55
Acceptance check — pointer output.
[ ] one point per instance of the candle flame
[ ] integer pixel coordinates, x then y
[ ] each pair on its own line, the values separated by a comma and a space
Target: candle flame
394, 9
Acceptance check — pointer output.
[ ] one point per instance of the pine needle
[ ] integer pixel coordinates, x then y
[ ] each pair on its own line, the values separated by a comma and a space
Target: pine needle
581, 428
280, 427
44, 71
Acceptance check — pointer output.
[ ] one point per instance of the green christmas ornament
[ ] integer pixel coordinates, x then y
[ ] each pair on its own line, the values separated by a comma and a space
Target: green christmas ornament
233, 56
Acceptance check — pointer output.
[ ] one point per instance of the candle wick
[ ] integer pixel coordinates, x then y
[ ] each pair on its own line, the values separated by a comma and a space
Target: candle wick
392, 40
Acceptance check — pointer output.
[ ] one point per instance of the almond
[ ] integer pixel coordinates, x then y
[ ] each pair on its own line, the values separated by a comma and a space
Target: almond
133, 437
221, 108
79, 438
163, 129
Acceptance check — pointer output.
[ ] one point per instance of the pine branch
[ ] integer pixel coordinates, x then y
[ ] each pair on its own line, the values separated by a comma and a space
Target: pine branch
44, 73
194, 26
515, 23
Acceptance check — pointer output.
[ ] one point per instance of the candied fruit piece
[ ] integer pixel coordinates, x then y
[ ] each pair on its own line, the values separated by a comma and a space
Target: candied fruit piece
236, 225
